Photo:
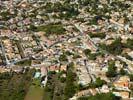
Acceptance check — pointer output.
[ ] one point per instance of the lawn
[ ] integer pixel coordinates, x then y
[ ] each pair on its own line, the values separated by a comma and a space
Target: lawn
35, 92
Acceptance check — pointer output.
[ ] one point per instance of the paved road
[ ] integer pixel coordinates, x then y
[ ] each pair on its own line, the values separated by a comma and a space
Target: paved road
4, 53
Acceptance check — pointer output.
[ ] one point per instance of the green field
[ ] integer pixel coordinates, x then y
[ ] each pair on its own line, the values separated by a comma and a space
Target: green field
35, 91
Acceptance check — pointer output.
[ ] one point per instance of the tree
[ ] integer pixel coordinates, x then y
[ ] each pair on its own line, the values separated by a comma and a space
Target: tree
70, 88
122, 71
87, 52
100, 35
102, 96
131, 77
129, 43
99, 82
111, 69
54, 28
116, 47
63, 57
14, 86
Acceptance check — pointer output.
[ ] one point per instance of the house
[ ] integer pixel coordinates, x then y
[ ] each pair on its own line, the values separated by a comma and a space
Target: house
124, 95
122, 83
53, 68
104, 89
82, 93
23, 4
130, 54
94, 91
44, 71
63, 68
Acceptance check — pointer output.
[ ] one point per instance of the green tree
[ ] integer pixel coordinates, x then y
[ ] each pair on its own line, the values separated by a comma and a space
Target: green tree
99, 82
111, 69
63, 57
70, 88
131, 77
102, 96
100, 35
87, 52
116, 47
122, 71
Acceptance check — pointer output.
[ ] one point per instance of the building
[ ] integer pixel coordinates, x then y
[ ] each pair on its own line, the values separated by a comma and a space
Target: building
124, 95
122, 83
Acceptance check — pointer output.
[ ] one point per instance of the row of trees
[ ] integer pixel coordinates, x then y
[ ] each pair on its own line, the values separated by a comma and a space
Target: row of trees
97, 35
61, 88
102, 96
92, 56
71, 87
111, 69
14, 86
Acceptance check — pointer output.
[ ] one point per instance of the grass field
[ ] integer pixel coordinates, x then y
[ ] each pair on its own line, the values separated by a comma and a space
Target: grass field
35, 92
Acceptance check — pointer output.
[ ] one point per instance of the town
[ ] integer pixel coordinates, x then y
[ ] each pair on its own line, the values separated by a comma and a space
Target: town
78, 49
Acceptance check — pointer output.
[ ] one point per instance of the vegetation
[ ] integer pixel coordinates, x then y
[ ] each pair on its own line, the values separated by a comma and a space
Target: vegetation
70, 88
87, 51
14, 86
5, 15
75, 56
24, 63
68, 53
35, 92
111, 69
97, 83
61, 88
131, 77
127, 56
36, 38
98, 35
92, 56
54, 89
102, 96
49, 89
63, 57
116, 47
129, 44
122, 72
50, 29
65, 10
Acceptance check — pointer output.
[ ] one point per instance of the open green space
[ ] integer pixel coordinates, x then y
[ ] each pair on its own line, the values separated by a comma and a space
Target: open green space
34, 93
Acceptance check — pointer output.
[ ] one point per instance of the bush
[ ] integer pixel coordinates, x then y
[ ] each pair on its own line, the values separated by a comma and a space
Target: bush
131, 77
87, 52
122, 71
102, 96
63, 57
111, 69
52, 29
97, 35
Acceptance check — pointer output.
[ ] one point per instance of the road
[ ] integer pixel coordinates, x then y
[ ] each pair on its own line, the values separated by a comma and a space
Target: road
128, 62
4, 53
